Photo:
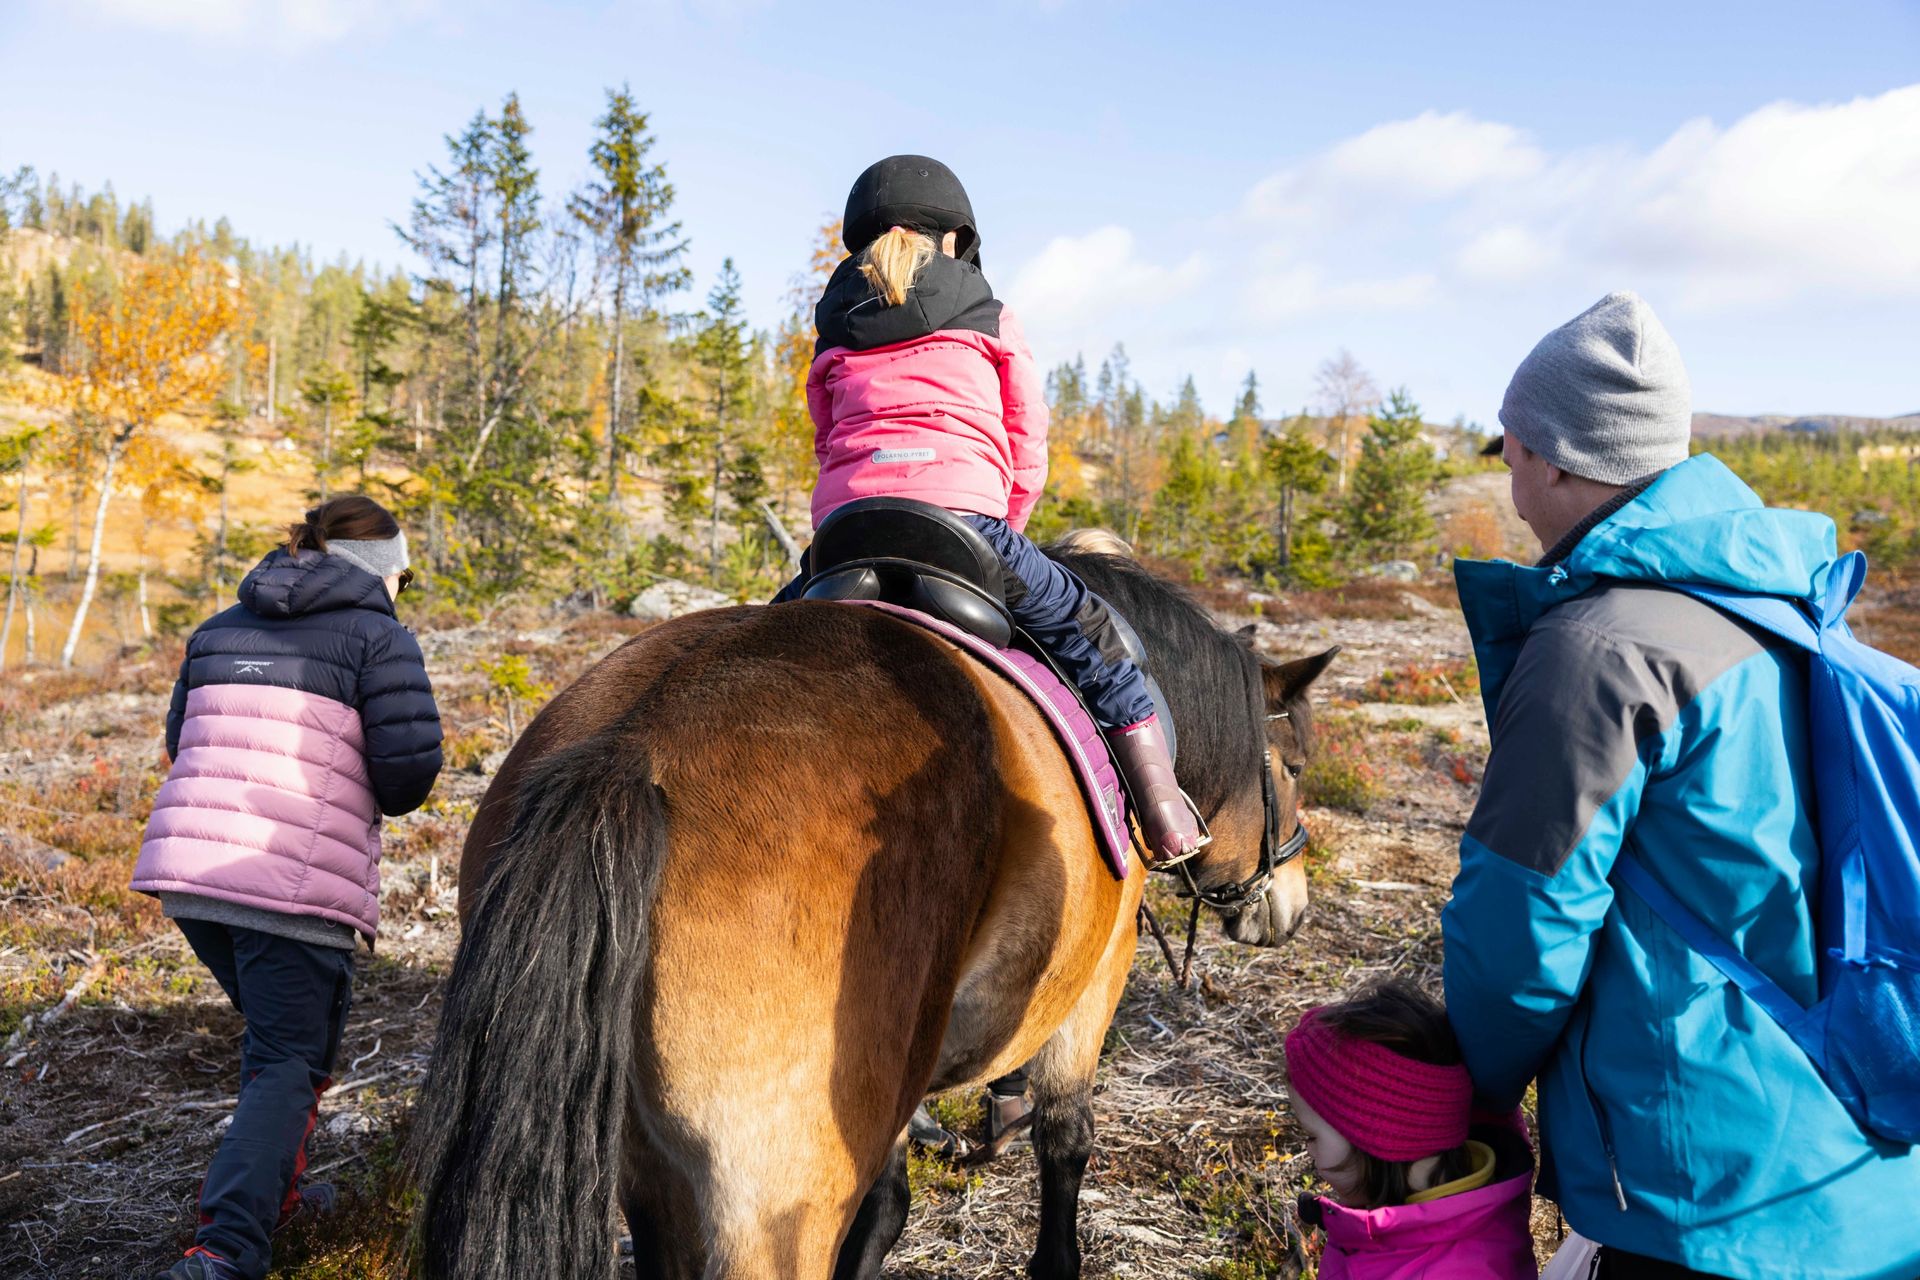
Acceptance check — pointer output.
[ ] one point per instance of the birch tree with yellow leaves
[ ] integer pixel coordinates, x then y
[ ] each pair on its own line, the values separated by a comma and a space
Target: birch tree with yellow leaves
151, 348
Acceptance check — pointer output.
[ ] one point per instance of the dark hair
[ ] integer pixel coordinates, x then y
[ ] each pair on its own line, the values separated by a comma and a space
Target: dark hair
1397, 1015
349, 517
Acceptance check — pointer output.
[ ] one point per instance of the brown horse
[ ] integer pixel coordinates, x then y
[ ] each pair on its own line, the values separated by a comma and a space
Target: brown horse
762, 879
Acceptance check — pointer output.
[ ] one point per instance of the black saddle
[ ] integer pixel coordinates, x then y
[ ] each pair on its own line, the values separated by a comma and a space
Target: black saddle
912, 554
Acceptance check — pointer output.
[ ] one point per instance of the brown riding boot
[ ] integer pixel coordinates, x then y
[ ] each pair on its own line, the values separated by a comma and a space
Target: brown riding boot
1166, 819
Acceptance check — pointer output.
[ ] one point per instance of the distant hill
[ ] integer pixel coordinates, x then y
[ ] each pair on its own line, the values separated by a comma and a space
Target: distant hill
1720, 426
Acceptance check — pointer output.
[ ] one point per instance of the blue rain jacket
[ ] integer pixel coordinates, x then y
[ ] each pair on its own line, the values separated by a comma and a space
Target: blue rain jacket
1678, 1120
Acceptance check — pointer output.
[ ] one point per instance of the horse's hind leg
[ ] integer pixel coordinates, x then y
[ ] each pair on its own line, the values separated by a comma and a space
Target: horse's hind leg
877, 1225
1061, 1077
1063, 1143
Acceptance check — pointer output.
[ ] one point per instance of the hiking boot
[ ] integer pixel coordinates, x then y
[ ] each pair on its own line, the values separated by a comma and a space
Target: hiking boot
1009, 1117
201, 1265
1166, 817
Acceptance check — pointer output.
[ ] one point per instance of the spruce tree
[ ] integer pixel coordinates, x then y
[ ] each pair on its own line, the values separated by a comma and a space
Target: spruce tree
624, 210
1384, 515
1247, 408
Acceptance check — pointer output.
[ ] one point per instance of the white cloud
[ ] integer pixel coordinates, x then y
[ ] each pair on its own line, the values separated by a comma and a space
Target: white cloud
1446, 232
1079, 280
281, 22
1508, 253
1298, 291
1790, 200
1787, 201
1430, 157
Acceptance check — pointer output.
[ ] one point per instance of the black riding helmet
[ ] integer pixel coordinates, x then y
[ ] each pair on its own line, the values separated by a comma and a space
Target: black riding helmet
915, 192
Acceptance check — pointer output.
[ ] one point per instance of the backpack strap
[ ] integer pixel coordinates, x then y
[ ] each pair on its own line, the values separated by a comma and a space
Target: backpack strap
1788, 619
1771, 614
1695, 932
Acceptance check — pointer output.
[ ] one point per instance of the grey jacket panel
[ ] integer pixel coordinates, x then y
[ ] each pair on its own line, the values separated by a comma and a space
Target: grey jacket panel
1598, 679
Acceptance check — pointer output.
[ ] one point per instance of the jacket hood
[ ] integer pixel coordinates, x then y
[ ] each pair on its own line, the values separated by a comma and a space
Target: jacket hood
1698, 524
947, 294
1465, 1215
287, 585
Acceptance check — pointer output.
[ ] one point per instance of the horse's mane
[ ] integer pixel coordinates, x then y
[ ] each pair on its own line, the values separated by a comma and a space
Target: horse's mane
1211, 679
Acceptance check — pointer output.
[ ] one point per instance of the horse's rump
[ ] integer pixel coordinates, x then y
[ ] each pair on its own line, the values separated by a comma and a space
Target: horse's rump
841, 797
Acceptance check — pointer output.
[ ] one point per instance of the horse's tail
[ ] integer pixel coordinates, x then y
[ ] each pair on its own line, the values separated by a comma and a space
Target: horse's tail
516, 1139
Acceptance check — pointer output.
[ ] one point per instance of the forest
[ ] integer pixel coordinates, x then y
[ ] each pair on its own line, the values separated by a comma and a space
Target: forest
559, 411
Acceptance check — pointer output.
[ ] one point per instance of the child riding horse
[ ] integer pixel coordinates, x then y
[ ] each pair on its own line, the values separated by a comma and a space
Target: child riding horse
922, 386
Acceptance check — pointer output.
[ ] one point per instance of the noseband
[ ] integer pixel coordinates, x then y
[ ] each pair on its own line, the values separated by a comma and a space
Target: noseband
1233, 897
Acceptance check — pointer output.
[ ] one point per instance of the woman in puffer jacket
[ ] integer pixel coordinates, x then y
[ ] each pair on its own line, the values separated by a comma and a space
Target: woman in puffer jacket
301, 715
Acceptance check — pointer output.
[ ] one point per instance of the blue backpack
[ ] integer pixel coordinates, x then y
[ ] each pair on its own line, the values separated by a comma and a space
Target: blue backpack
1864, 1031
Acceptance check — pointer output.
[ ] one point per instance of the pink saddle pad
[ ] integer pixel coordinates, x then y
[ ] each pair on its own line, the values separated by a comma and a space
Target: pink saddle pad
1075, 730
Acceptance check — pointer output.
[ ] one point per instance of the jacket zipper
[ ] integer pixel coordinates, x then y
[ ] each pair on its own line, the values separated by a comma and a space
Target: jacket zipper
1606, 1127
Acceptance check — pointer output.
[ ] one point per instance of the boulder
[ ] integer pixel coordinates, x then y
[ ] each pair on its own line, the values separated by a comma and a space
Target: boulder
670, 598
1395, 571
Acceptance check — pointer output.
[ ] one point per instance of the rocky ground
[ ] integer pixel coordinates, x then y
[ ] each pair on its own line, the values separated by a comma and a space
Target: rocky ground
120, 1054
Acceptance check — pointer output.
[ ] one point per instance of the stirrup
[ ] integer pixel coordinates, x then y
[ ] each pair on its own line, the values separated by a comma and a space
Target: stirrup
1206, 838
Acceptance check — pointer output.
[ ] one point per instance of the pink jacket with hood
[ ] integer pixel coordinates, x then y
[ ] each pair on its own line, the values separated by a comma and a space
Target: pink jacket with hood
300, 716
1482, 1234
937, 399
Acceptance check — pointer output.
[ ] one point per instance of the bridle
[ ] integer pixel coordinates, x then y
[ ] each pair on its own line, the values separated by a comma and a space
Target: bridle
1234, 897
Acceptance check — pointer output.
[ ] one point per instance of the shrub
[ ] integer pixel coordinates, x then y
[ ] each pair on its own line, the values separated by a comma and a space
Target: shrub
1341, 775
1431, 685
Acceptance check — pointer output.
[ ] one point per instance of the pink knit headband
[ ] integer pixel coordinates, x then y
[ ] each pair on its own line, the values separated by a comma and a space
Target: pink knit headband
1386, 1104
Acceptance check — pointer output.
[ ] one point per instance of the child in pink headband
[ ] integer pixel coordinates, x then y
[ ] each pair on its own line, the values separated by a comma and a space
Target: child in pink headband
1418, 1188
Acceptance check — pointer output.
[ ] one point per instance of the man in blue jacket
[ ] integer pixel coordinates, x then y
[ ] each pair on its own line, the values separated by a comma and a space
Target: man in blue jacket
1681, 1128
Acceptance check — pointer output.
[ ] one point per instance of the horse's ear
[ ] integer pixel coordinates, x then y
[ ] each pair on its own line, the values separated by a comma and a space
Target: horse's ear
1288, 681
1245, 635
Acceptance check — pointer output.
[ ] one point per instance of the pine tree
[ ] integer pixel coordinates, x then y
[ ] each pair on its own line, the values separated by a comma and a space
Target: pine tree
1297, 468
1187, 413
624, 209
1247, 408
1385, 514
722, 356
328, 394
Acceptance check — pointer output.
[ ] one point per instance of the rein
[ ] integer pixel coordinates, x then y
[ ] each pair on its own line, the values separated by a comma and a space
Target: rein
1234, 897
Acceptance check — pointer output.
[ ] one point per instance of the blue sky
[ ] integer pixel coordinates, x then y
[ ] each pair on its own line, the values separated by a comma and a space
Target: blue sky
1220, 186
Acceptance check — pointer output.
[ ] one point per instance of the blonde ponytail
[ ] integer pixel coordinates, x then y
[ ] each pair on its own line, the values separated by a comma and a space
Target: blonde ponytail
892, 261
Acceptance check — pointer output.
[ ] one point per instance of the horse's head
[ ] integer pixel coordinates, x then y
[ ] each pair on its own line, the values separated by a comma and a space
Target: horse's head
1267, 826
1245, 732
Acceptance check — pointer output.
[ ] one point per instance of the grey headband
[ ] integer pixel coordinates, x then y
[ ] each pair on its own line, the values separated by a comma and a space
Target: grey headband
382, 558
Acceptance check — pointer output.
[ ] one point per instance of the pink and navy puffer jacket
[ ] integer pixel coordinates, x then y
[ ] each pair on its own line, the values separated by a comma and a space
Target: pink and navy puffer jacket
300, 716
937, 399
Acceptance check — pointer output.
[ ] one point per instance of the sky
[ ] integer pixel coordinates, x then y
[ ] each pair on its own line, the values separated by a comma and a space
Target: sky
1222, 187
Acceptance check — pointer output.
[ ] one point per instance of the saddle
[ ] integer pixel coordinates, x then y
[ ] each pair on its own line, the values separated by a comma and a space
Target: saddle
932, 569
921, 557
915, 555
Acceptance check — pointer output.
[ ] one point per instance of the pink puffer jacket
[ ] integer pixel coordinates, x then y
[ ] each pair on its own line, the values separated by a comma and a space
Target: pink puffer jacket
268, 805
938, 399
1482, 1234
300, 716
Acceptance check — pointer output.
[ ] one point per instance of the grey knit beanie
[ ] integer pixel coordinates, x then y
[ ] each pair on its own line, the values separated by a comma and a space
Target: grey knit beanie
382, 558
1604, 396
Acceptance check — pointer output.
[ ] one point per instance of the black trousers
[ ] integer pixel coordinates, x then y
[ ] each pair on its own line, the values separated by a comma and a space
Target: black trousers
1617, 1264
294, 996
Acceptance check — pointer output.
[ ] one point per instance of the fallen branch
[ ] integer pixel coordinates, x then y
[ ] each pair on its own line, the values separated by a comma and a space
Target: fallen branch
95, 967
